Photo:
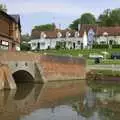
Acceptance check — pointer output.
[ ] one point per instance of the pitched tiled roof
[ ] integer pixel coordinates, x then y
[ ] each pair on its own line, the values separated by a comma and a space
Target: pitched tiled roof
36, 34
51, 34
17, 19
99, 31
112, 31
87, 27
7, 16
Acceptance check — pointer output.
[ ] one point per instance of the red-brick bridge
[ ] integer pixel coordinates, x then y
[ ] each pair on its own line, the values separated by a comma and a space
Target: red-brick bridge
33, 67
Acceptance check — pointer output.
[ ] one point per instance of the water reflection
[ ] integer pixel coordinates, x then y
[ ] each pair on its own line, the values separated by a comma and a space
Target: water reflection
72, 100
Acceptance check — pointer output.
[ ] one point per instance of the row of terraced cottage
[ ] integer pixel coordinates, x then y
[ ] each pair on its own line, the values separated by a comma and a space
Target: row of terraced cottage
85, 37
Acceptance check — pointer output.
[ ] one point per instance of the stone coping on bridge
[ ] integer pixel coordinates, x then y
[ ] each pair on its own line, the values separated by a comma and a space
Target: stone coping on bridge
19, 56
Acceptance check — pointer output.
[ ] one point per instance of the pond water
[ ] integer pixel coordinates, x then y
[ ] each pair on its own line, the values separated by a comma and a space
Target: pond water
73, 100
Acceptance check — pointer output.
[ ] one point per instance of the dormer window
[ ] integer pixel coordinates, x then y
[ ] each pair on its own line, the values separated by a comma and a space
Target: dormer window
68, 34
105, 34
43, 35
59, 35
76, 34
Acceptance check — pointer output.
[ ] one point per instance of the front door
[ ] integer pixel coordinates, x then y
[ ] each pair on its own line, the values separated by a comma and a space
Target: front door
73, 45
38, 45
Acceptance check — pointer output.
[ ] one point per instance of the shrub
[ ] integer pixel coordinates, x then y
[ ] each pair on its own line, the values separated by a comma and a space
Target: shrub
115, 46
25, 46
96, 46
58, 46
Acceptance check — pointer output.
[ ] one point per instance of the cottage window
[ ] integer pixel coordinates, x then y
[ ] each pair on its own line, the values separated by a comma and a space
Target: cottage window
78, 42
102, 42
110, 42
33, 44
3, 47
42, 43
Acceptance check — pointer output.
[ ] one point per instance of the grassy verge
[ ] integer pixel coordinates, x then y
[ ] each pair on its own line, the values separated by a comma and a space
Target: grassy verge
104, 62
85, 54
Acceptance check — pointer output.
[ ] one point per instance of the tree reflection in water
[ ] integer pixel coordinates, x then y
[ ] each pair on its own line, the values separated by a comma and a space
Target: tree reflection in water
106, 103
67, 101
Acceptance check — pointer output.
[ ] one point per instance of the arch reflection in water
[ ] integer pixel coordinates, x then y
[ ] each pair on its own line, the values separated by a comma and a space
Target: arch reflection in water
16, 103
61, 101
23, 76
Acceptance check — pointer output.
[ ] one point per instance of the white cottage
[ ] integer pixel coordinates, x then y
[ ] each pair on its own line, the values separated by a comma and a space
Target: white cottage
101, 35
84, 38
108, 35
42, 40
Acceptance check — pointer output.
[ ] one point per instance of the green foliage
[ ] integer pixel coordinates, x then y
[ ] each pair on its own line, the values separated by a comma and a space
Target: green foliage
115, 46
57, 45
25, 37
60, 45
3, 7
24, 46
45, 27
104, 19
96, 46
115, 17
107, 18
74, 24
86, 18
110, 17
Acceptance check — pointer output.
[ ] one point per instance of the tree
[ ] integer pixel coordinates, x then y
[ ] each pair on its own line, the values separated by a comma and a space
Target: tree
86, 18
25, 37
104, 19
45, 27
110, 17
74, 25
24, 46
3, 7
115, 17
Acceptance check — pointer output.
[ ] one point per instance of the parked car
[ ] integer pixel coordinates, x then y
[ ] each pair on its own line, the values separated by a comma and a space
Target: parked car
115, 56
93, 56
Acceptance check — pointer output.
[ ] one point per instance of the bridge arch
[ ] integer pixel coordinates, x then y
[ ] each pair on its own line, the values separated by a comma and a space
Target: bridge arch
23, 76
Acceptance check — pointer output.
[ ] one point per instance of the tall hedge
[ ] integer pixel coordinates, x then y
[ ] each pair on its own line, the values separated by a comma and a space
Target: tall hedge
96, 46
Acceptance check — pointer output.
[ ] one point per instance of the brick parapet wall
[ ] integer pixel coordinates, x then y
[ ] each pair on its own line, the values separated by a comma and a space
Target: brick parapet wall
62, 68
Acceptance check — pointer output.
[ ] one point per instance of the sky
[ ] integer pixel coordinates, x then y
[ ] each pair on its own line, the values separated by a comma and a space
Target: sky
61, 12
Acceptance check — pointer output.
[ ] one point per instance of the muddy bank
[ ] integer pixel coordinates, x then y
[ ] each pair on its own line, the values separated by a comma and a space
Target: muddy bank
103, 75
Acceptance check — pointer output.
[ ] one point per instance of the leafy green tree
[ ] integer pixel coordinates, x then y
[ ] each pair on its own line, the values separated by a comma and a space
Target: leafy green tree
3, 7
24, 46
45, 27
104, 19
25, 37
110, 17
86, 18
115, 17
74, 25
